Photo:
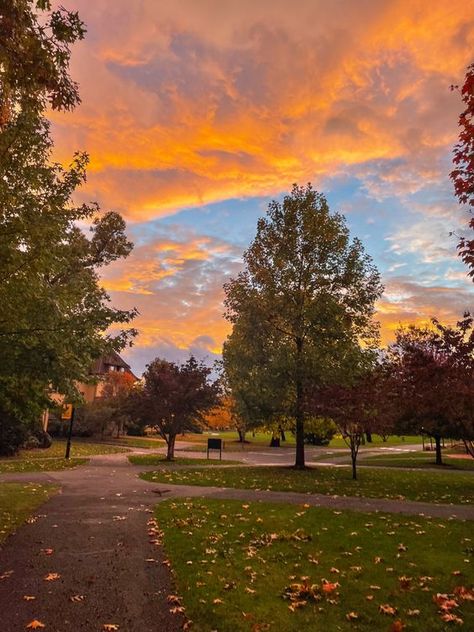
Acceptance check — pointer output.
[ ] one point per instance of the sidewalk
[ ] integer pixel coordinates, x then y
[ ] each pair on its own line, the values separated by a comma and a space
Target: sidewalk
97, 528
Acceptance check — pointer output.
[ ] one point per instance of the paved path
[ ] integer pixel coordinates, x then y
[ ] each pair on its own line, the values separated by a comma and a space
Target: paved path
97, 528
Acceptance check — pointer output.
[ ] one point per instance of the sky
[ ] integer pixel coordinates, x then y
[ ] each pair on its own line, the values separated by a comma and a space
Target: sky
197, 113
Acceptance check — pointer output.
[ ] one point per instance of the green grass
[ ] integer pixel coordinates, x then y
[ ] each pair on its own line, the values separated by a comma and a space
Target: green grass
417, 460
138, 442
38, 465
18, 502
434, 487
233, 562
262, 440
79, 448
160, 460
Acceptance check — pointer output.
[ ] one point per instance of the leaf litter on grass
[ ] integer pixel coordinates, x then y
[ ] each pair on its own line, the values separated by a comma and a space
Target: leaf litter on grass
253, 565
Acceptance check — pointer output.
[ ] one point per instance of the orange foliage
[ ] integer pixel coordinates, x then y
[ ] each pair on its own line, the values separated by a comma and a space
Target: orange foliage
221, 417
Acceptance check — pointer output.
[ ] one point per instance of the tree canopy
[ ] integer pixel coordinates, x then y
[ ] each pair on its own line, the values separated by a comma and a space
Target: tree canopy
175, 398
433, 370
300, 309
463, 173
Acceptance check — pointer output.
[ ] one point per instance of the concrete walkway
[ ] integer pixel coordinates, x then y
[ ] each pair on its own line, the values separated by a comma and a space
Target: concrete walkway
97, 530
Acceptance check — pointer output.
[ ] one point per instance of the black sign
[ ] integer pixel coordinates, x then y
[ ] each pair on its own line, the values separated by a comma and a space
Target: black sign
214, 444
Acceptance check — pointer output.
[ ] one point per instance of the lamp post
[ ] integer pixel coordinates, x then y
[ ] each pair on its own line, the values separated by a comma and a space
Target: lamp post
68, 415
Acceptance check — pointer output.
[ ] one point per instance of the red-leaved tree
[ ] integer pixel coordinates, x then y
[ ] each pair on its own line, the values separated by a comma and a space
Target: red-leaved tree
434, 371
175, 398
463, 173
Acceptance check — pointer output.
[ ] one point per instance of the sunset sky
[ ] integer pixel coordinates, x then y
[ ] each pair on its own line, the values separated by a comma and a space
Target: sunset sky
197, 112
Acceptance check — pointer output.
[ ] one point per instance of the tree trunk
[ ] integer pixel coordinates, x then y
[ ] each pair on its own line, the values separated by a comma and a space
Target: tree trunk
282, 434
299, 413
170, 451
241, 435
368, 434
354, 465
439, 460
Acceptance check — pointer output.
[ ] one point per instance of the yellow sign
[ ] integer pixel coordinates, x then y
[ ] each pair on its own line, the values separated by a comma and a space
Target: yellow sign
66, 412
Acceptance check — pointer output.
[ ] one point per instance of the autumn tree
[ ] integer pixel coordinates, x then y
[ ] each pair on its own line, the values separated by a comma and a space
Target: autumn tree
56, 317
300, 307
434, 371
175, 398
463, 173
358, 406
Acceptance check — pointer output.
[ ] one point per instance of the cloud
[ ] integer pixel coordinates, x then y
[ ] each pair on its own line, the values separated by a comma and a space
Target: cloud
175, 278
405, 302
189, 103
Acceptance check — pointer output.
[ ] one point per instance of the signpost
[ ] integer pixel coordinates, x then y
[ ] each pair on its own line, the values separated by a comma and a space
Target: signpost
214, 444
67, 414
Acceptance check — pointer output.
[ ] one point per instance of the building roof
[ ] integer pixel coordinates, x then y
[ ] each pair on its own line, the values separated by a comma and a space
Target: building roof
102, 365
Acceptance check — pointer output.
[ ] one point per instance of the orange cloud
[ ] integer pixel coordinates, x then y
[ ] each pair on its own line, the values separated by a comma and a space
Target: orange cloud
192, 103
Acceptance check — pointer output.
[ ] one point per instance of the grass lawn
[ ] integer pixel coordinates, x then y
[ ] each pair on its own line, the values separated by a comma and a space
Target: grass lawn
52, 459
262, 439
138, 442
434, 487
160, 460
256, 566
18, 501
79, 448
418, 460
38, 465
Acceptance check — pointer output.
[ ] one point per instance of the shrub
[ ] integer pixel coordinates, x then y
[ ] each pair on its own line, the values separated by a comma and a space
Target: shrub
13, 433
319, 430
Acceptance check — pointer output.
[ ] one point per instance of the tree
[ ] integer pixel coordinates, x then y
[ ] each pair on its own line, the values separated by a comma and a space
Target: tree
463, 173
55, 316
299, 309
434, 371
175, 398
359, 406
34, 57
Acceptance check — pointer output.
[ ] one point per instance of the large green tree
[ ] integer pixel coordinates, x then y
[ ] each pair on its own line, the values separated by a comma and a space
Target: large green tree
300, 309
55, 317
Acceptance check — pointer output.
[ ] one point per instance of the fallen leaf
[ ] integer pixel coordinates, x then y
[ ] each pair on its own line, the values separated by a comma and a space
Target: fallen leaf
352, 616
6, 574
217, 601
76, 598
28, 597
328, 587
405, 582
35, 625
465, 594
47, 551
51, 577
413, 613
387, 609
110, 627
397, 626
452, 618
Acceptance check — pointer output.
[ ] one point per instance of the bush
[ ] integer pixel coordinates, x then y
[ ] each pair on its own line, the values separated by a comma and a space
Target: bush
319, 431
135, 430
13, 433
